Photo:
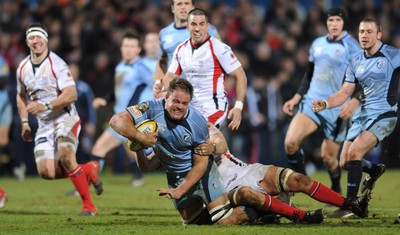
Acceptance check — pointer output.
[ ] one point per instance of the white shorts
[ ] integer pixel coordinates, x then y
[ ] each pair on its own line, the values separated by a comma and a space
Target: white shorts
48, 132
236, 175
211, 113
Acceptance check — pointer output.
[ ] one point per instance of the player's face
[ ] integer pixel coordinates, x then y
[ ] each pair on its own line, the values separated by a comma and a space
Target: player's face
368, 35
130, 49
151, 45
198, 27
37, 45
335, 27
181, 8
177, 104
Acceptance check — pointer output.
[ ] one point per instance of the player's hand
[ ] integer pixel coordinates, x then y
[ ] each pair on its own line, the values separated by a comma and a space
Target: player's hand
289, 105
171, 193
235, 115
157, 88
99, 102
347, 110
319, 105
26, 132
148, 139
35, 108
205, 149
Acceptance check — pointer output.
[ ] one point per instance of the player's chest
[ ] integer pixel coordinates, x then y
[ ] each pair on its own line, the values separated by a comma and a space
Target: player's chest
175, 135
37, 78
334, 53
197, 61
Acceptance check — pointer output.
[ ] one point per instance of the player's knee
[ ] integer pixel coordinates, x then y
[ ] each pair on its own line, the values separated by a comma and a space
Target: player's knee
282, 179
46, 173
291, 146
221, 212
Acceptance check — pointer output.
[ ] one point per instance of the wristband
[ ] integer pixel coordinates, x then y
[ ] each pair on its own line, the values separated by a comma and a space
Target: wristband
49, 106
24, 120
326, 104
238, 105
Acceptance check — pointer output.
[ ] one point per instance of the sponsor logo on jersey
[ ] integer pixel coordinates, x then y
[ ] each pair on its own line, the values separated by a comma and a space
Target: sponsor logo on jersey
135, 112
142, 107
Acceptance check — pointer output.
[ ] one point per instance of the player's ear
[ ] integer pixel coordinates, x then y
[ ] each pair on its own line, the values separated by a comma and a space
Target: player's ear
379, 36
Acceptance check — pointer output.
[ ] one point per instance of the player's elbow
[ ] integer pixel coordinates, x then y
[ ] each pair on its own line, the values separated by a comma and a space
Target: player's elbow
116, 122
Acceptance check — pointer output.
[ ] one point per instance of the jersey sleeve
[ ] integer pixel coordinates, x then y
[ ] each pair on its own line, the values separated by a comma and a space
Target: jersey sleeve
226, 57
143, 111
63, 75
175, 66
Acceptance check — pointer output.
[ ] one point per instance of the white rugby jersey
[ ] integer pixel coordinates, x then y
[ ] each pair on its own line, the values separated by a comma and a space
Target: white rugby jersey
206, 66
44, 82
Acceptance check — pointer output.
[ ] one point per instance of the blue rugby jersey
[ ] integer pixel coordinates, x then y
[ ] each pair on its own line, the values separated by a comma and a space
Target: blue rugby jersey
330, 59
378, 76
176, 140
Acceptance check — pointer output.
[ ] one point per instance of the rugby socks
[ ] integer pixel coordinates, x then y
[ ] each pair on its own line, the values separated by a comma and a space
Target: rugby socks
101, 160
370, 168
324, 194
354, 176
296, 161
79, 180
335, 176
274, 205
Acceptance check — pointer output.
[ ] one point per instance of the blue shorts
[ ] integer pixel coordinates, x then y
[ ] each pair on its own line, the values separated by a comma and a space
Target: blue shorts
378, 123
5, 109
209, 188
121, 138
334, 127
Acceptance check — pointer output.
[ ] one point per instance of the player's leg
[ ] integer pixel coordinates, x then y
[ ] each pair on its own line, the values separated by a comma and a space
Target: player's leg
300, 127
104, 144
329, 153
265, 203
3, 198
137, 173
66, 148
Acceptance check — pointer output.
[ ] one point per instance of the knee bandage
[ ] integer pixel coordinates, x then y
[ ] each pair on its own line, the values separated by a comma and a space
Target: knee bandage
221, 212
200, 217
281, 178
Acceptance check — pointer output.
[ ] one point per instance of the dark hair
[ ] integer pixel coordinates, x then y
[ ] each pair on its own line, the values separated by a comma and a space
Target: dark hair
337, 11
37, 24
172, 2
182, 84
131, 35
372, 20
198, 12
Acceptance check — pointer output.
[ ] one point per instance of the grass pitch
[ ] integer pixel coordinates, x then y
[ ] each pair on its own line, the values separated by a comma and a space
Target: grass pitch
37, 206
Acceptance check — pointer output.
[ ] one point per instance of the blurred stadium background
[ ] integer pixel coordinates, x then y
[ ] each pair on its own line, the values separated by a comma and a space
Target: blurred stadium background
271, 39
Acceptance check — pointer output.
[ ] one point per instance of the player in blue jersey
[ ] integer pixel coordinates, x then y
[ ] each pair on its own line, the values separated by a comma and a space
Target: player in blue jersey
147, 65
5, 106
328, 59
128, 89
376, 69
193, 178
175, 33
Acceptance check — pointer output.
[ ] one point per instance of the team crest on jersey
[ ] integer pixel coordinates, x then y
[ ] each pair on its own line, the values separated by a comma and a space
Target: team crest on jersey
379, 64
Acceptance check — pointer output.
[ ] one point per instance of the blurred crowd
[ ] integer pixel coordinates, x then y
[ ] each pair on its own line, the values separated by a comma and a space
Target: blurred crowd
271, 39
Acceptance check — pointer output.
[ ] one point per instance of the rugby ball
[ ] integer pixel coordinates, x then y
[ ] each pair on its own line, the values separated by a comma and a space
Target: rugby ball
146, 126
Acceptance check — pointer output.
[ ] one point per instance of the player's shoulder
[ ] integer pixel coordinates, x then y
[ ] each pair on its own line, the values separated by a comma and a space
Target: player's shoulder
167, 30
24, 61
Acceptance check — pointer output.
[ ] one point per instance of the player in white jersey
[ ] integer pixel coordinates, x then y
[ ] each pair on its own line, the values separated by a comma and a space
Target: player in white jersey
329, 56
47, 90
175, 33
270, 180
206, 62
376, 70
